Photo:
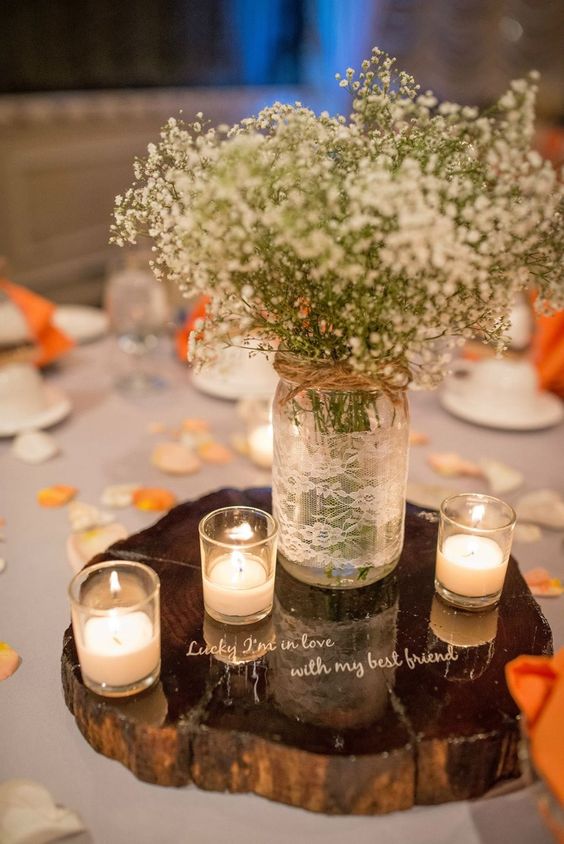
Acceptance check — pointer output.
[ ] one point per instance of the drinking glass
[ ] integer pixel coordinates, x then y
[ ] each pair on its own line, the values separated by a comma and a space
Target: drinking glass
136, 304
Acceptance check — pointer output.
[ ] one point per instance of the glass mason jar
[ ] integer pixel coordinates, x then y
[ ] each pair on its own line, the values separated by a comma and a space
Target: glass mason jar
338, 482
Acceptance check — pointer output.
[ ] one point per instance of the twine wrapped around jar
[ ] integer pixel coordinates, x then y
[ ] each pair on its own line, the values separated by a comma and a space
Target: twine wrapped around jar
338, 375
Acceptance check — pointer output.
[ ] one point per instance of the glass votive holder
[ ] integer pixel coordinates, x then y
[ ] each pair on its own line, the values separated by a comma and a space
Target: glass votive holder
116, 624
475, 535
238, 550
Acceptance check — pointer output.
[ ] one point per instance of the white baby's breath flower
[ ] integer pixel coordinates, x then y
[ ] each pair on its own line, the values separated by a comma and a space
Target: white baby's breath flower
365, 240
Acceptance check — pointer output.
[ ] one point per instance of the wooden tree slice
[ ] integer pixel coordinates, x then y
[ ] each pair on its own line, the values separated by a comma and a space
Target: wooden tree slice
358, 703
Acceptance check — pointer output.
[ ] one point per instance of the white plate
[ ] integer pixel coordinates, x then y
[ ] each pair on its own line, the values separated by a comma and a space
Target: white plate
213, 384
81, 322
58, 406
547, 411
236, 374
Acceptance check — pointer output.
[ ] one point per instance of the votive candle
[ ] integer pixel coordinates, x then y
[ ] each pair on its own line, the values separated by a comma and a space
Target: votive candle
238, 550
116, 626
474, 543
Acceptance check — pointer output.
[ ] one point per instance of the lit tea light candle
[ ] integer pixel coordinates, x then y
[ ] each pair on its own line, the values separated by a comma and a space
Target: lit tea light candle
238, 550
116, 625
475, 533
471, 565
118, 650
238, 585
260, 443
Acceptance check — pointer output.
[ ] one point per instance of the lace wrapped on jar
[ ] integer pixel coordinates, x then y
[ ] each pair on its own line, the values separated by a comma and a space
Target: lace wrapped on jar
339, 474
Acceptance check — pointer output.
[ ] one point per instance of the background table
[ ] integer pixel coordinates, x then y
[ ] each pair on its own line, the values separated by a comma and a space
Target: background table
106, 440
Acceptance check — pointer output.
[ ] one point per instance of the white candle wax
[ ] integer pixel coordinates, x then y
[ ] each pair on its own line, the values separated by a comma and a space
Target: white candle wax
238, 585
118, 649
470, 565
261, 446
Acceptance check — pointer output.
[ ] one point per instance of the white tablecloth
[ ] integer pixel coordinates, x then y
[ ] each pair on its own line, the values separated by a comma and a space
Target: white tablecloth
106, 440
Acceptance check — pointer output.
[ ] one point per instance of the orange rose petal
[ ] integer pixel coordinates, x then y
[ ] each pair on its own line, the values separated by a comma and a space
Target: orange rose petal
552, 589
193, 426
56, 496
536, 577
542, 584
9, 661
153, 498
213, 452
418, 438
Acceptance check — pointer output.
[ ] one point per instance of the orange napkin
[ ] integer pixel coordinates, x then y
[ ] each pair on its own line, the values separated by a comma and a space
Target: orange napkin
38, 313
549, 352
182, 335
537, 686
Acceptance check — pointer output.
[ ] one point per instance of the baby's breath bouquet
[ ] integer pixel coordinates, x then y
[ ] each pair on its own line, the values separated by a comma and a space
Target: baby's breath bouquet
362, 249
361, 241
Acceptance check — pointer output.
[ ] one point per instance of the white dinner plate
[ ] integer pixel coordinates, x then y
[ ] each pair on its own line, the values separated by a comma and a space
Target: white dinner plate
236, 374
58, 406
545, 412
81, 323
213, 384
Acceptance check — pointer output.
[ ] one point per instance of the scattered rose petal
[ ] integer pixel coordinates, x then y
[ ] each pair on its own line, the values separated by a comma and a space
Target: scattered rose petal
451, 465
430, 496
552, 589
29, 815
2, 564
214, 452
175, 459
153, 498
192, 426
84, 545
501, 478
544, 507
56, 496
536, 576
240, 444
418, 438
195, 439
194, 432
526, 533
542, 584
84, 516
34, 447
118, 495
156, 428
9, 662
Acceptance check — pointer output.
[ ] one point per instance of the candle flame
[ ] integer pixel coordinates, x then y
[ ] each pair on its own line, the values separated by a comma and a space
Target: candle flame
478, 511
241, 532
115, 585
